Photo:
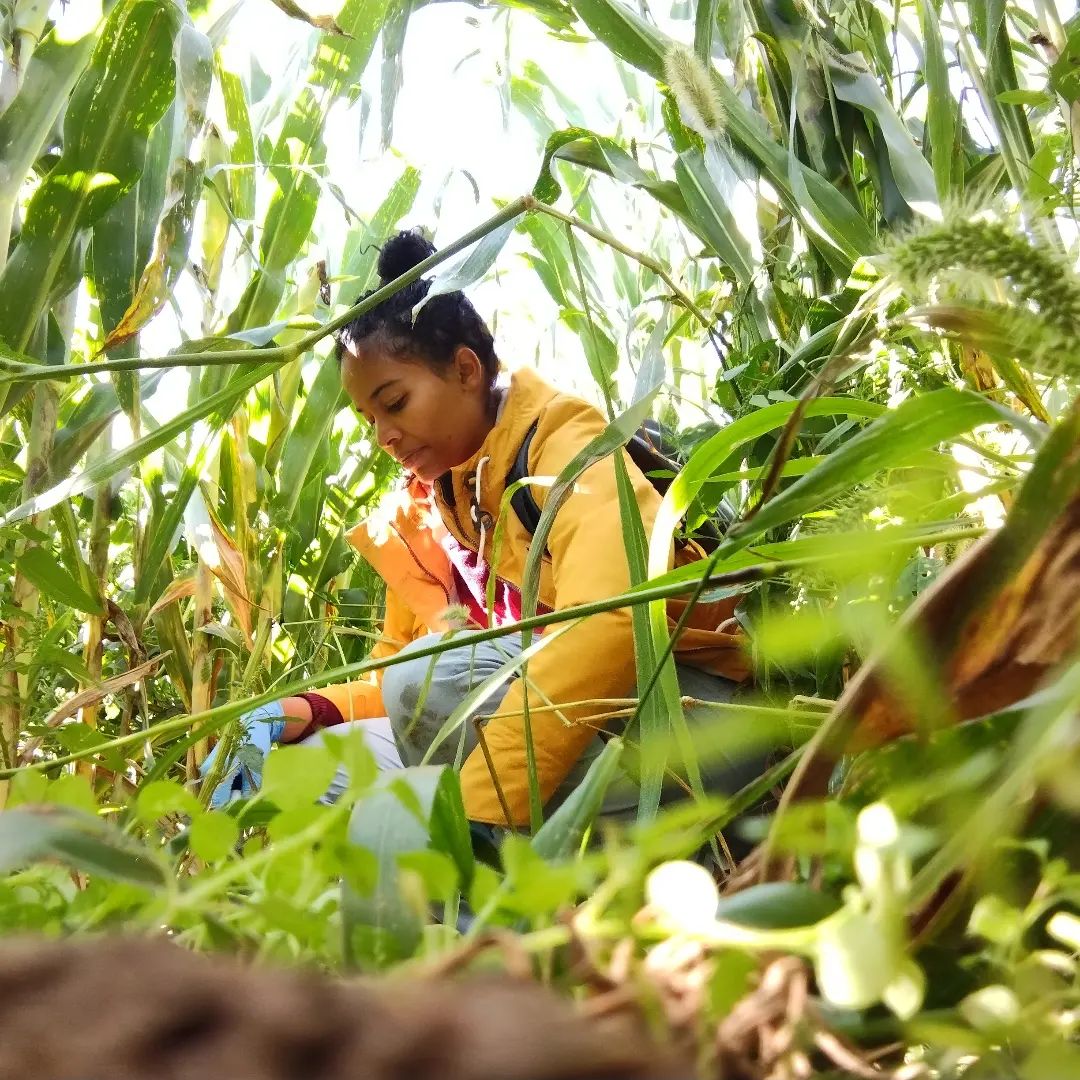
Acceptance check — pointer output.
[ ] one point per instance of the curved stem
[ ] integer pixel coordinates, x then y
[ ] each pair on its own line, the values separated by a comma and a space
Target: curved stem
15, 368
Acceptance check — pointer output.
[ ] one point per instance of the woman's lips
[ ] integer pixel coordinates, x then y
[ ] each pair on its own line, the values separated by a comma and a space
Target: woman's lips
410, 460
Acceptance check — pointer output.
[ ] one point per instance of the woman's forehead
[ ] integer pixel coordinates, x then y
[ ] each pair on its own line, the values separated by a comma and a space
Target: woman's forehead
367, 372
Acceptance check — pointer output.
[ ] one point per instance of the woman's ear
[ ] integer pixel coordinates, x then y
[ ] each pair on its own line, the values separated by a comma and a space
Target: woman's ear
468, 369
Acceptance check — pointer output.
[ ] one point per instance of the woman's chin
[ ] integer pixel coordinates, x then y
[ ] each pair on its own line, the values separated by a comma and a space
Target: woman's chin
427, 472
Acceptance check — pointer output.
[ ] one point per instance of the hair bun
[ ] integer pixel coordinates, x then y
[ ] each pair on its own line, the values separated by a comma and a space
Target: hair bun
402, 252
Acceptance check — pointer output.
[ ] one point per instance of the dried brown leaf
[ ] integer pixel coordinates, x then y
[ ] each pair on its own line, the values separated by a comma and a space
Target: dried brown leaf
178, 589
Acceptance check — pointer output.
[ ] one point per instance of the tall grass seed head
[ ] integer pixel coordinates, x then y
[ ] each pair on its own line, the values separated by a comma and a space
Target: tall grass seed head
692, 84
1044, 287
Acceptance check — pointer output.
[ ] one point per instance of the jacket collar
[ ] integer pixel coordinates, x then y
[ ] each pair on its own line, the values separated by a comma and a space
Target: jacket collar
527, 396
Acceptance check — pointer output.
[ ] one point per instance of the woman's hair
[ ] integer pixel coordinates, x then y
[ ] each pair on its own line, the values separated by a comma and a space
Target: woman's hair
443, 323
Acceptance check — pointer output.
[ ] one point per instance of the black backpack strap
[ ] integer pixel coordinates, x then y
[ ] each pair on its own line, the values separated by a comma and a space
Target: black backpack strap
646, 451
525, 506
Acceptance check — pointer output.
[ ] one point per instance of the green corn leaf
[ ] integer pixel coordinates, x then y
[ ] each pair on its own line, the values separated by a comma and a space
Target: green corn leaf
90, 417
221, 404
777, 905
78, 840
306, 438
163, 525
842, 554
404, 813
123, 240
713, 217
917, 424
41, 568
717, 452
940, 104
480, 258
626, 33
240, 179
124, 92
359, 258
25, 124
560, 836
914, 177
808, 195
299, 156
393, 45
705, 27
160, 270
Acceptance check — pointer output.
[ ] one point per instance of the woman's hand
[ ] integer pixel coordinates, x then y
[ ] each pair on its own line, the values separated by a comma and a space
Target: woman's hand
260, 728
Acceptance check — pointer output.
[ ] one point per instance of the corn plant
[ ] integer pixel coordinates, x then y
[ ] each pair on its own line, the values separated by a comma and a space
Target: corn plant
832, 252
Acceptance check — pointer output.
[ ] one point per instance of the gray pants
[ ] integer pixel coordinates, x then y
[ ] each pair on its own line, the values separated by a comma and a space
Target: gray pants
421, 694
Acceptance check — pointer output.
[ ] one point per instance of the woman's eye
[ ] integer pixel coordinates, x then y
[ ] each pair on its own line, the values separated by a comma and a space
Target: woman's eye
396, 406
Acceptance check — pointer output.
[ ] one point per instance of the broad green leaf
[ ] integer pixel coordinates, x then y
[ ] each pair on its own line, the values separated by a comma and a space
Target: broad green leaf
915, 425
940, 104
560, 836
395, 818
914, 177
26, 123
296, 776
220, 404
536, 886
161, 797
124, 92
712, 216
78, 840
42, 569
213, 835
776, 905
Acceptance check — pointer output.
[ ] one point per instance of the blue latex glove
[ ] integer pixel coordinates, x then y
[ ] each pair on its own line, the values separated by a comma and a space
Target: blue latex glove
260, 729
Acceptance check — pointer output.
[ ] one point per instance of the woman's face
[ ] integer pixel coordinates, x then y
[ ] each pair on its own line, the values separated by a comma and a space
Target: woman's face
427, 419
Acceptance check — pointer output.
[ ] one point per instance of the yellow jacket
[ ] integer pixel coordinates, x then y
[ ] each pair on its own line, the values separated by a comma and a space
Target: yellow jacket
585, 562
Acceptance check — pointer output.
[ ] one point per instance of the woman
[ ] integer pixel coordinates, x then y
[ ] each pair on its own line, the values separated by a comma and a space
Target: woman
431, 391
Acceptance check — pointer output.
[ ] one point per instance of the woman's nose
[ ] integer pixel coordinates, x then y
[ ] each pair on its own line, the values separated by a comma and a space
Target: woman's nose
387, 435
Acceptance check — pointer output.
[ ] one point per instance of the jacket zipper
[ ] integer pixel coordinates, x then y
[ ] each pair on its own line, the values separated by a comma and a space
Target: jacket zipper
423, 569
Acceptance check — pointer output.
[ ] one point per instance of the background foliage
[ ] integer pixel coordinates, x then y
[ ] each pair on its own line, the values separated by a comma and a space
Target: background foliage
831, 247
